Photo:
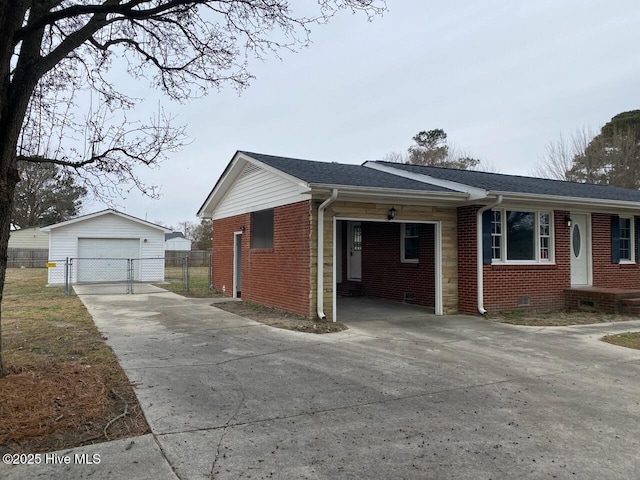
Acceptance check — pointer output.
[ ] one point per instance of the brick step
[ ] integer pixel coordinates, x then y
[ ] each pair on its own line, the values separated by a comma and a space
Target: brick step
631, 302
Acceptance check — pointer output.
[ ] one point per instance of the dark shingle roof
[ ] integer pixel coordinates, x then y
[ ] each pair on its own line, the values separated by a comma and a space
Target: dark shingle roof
327, 173
172, 235
498, 182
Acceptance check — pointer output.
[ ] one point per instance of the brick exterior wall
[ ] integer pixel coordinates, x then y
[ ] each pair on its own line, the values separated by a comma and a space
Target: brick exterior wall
505, 285
605, 273
385, 276
277, 277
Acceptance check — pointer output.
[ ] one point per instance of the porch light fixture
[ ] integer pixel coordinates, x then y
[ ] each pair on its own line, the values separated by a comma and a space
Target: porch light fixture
242, 228
392, 214
567, 219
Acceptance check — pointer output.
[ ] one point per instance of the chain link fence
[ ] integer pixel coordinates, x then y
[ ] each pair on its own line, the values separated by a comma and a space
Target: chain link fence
116, 276
190, 274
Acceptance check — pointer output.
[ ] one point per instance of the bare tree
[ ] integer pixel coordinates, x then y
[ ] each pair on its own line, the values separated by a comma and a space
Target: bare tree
557, 160
395, 157
610, 157
54, 51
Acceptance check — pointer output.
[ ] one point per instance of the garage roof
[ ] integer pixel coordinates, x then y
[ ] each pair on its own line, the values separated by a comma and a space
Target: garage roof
108, 211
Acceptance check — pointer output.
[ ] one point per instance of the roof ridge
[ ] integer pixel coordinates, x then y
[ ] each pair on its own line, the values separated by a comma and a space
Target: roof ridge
506, 175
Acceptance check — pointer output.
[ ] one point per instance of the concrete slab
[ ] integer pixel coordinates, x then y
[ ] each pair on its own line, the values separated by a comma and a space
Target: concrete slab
116, 289
402, 394
139, 458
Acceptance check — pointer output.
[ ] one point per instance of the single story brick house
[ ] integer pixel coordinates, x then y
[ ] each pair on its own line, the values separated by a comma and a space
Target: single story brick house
297, 234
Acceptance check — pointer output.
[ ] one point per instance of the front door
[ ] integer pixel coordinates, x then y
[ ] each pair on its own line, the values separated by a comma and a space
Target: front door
237, 265
355, 251
580, 249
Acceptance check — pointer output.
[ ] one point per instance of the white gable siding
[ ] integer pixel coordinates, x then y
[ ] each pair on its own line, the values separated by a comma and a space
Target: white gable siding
29, 238
257, 189
64, 243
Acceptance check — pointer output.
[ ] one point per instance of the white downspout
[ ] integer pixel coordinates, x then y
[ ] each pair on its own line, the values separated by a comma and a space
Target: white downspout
321, 208
480, 265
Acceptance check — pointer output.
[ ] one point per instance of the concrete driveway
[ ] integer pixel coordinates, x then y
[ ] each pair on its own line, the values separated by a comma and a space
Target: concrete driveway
399, 395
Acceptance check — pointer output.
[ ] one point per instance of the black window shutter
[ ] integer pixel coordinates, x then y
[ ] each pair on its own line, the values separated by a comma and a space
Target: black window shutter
615, 239
487, 216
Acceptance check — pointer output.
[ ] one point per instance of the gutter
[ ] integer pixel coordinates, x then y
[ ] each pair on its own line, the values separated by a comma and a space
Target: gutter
480, 267
320, 286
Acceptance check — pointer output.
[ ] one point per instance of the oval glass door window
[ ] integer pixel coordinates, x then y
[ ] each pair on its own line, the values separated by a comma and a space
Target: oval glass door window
577, 241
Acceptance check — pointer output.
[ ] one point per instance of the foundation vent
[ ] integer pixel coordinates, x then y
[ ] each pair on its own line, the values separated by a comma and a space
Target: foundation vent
587, 305
523, 301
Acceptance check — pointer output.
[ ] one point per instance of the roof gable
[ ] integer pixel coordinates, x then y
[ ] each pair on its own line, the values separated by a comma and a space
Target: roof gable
341, 174
305, 175
101, 213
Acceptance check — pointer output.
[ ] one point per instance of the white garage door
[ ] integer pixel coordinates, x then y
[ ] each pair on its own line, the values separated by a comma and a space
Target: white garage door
105, 259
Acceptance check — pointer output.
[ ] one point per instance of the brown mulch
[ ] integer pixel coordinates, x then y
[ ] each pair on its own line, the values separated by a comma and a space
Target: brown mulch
56, 406
279, 318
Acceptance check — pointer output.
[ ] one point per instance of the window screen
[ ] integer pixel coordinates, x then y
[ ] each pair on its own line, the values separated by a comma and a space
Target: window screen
262, 229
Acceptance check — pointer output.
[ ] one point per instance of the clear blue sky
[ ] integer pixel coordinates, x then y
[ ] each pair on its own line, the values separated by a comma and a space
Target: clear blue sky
502, 78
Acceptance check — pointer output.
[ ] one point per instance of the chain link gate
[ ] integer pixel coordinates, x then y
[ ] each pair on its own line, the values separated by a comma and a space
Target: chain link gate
104, 276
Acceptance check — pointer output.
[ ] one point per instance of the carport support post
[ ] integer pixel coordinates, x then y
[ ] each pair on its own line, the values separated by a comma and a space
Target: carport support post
320, 278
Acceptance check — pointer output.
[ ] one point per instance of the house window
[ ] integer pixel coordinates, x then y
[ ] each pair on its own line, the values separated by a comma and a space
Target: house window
410, 243
357, 238
496, 235
521, 236
626, 234
545, 236
262, 229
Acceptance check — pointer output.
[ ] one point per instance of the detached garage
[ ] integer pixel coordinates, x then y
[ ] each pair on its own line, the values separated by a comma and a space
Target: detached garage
106, 246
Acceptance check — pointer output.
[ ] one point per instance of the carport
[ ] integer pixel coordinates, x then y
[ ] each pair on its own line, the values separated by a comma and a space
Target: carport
396, 261
357, 310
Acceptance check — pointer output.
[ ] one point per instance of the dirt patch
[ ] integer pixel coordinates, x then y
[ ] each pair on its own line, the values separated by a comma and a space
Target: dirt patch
279, 318
556, 318
627, 339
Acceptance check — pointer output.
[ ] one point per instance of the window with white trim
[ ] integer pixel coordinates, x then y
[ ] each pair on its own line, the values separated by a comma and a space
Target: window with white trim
496, 235
544, 224
626, 236
521, 236
409, 243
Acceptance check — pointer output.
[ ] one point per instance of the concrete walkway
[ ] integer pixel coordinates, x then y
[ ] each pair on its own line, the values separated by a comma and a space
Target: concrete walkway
401, 394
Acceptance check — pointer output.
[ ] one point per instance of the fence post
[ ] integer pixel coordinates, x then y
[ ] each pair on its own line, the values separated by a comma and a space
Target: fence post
210, 277
130, 276
66, 278
186, 266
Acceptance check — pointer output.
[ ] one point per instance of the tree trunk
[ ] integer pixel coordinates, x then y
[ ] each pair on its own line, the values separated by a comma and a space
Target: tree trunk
8, 181
15, 92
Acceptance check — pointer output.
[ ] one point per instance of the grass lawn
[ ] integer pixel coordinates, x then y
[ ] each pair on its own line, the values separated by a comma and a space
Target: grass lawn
628, 339
198, 282
64, 386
